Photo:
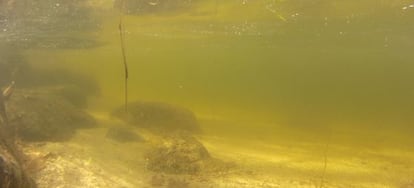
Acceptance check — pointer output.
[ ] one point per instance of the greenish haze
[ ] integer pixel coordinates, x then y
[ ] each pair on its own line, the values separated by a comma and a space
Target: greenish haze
306, 74
283, 63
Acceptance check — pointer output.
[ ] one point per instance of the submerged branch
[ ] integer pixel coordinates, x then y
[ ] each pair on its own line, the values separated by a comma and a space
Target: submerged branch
7, 133
121, 35
5, 95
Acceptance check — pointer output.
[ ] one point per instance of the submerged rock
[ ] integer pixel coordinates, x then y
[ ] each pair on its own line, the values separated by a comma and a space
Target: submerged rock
180, 153
74, 87
44, 116
158, 116
123, 134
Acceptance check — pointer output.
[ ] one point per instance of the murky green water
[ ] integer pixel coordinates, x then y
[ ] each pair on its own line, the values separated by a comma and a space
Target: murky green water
263, 71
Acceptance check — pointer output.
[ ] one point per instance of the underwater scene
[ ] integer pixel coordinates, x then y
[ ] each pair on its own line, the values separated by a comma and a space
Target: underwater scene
207, 94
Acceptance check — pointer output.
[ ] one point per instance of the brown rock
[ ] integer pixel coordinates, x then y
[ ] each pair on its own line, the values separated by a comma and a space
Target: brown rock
180, 153
42, 116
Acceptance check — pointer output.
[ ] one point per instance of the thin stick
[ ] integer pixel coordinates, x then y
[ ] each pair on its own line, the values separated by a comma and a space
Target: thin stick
325, 159
216, 5
325, 165
121, 35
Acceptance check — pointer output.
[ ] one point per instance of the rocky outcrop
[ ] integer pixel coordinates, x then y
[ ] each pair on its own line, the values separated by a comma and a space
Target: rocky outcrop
40, 115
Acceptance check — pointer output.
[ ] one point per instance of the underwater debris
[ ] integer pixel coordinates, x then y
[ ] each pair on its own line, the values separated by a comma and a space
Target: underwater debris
3, 113
5, 95
124, 60
12, 174
8, 91
12, 171
159, 116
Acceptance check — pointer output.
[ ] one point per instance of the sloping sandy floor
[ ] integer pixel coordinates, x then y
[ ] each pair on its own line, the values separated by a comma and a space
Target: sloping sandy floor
92, 160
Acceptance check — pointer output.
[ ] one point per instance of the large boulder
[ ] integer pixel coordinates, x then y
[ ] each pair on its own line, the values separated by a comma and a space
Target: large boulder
158, 116
44, 116
179, 153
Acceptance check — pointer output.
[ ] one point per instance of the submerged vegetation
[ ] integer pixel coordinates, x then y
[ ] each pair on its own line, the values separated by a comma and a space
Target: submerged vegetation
124, 59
